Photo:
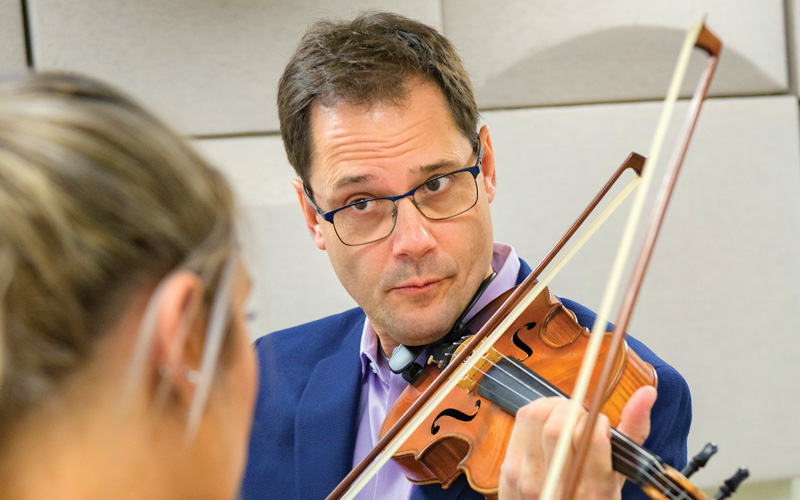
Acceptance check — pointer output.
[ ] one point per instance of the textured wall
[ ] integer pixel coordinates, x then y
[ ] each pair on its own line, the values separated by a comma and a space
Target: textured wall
567, 89
12, 39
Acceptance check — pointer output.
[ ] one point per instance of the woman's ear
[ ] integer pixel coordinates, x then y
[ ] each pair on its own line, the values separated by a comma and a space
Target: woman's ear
178, 333
313, 225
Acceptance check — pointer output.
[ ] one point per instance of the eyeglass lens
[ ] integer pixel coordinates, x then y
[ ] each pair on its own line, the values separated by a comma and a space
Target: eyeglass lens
439, 198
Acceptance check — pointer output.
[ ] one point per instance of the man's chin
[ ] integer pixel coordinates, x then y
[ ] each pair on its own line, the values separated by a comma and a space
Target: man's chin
420, 331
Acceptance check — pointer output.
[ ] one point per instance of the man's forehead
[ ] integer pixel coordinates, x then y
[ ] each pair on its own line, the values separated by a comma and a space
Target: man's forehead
359, 143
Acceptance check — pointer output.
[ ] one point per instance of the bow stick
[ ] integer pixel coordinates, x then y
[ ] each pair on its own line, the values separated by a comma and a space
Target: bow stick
699, 36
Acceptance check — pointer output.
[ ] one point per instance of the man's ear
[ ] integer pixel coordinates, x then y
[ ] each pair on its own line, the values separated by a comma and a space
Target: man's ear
179, 331
487, 166
314, 226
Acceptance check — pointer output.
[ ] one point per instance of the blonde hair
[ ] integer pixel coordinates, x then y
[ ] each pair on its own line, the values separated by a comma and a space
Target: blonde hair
98, 198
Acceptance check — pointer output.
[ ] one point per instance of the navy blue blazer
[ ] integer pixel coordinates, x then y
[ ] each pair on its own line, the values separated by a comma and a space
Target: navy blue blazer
304, 430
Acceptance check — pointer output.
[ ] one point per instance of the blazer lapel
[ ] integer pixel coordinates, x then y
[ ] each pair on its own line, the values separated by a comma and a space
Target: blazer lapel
325, 422
524, 271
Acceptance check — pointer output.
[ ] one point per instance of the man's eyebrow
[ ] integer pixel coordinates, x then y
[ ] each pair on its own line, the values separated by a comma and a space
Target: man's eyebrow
351, 179
424, 169
434, 167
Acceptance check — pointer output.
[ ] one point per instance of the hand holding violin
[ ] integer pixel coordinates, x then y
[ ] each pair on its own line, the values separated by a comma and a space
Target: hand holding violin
536, 431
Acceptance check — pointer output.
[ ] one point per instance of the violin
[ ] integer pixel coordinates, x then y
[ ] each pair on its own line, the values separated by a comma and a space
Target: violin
457, 415
538, 356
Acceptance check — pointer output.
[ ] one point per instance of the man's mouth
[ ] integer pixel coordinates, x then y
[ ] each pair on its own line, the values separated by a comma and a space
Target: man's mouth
416, 286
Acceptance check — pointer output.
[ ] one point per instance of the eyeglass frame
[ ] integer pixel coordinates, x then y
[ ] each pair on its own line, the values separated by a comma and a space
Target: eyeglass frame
328, 216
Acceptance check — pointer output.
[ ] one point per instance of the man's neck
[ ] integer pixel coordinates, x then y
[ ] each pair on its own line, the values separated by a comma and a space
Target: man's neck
386, 344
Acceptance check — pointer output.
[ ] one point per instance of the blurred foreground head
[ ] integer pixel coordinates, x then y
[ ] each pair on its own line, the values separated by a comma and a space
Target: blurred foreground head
121, 302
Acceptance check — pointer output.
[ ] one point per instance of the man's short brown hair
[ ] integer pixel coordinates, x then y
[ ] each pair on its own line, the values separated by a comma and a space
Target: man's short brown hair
366, 61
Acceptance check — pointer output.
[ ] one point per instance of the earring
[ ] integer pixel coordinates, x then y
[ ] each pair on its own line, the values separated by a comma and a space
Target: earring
192, 375
167, 389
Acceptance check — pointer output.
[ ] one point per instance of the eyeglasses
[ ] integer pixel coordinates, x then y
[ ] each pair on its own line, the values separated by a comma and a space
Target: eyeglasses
441, 197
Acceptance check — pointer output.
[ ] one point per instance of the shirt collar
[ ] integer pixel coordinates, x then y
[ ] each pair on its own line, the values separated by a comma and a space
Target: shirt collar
371, 358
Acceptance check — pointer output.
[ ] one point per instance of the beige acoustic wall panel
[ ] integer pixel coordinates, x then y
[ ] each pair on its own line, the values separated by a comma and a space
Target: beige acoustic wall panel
293, 282
208, 67
719, 301
12, 39
532, 53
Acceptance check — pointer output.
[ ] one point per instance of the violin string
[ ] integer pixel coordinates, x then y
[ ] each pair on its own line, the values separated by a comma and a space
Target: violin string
631, 459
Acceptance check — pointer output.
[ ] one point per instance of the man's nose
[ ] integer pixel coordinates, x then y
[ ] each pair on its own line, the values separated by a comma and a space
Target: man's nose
412, 232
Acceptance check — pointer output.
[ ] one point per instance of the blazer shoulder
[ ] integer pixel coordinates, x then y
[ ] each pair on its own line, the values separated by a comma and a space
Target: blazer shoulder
288, 361
288, 357
324, 334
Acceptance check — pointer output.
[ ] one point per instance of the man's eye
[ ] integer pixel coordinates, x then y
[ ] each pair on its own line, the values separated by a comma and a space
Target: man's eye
437, 184
362, 205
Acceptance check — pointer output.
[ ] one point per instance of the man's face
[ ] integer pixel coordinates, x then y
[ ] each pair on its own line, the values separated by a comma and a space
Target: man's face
414, 283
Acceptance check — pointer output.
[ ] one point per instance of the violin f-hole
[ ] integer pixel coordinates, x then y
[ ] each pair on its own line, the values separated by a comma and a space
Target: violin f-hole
456, 414
521, 344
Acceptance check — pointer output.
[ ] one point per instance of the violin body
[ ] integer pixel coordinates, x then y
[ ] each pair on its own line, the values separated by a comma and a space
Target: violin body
469, 432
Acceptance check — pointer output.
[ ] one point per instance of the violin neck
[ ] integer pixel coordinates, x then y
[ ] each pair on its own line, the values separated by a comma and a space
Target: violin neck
511, 385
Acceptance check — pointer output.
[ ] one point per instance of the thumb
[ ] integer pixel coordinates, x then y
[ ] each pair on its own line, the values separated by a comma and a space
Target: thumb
635, 419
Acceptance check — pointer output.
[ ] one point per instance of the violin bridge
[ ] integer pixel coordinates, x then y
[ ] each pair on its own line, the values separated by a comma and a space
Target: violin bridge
472, 379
